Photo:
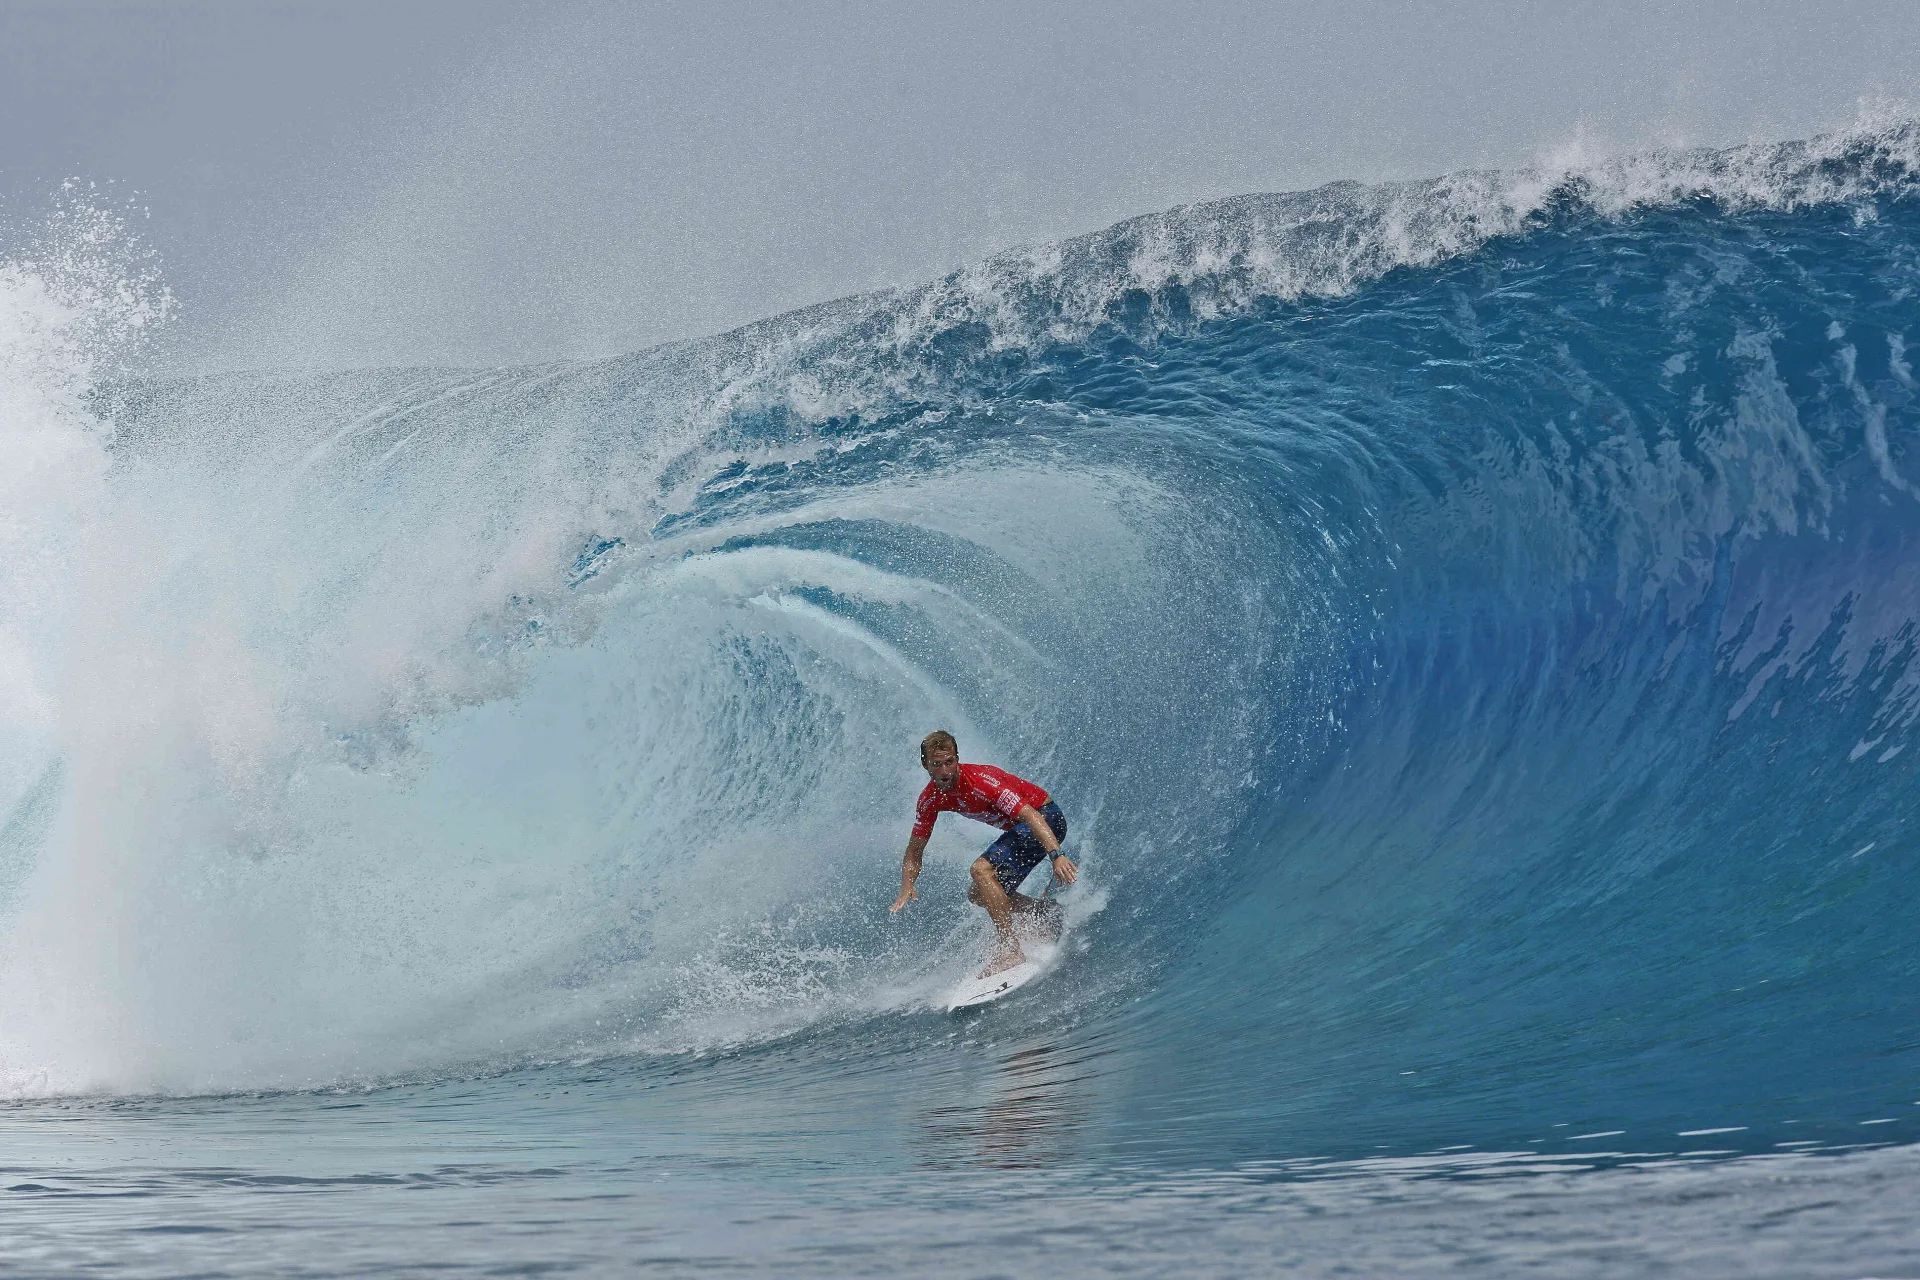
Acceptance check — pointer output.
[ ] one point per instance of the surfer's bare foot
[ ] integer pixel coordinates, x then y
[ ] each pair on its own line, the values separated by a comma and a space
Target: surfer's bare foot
1007, 960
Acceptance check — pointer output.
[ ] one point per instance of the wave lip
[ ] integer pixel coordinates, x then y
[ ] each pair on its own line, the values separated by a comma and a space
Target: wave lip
1197, 263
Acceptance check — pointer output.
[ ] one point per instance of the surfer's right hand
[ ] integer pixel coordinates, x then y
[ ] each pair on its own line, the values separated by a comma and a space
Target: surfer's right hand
906, 896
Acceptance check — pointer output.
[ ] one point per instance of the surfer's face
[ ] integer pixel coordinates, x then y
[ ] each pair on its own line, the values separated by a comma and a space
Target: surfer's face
943, 767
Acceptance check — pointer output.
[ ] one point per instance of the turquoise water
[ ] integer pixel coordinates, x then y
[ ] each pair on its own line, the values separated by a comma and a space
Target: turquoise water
1469, 626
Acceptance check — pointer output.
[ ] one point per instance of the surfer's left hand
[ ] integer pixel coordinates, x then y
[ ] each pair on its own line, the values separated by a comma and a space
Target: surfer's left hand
1064, 870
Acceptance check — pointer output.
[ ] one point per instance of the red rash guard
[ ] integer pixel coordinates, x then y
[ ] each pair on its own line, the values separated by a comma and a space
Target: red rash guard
981, 792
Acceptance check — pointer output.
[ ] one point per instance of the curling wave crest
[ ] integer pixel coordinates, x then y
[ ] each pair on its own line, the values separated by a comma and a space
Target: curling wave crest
1469, 624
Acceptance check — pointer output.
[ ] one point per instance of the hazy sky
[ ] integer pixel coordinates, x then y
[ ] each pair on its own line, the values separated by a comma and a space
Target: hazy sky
354, 183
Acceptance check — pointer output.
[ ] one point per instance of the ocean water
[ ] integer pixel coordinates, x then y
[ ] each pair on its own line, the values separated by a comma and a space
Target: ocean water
447, 817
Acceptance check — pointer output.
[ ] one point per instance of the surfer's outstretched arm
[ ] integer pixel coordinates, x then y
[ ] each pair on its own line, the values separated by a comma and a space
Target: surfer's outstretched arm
909, 872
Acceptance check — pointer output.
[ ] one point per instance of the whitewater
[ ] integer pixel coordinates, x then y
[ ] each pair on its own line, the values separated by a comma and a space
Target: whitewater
448, 816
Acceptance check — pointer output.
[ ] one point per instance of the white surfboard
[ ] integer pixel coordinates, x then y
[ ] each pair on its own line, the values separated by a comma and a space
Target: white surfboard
986, 990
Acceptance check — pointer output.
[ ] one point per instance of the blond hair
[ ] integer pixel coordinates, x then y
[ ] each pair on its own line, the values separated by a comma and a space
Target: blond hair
938, 740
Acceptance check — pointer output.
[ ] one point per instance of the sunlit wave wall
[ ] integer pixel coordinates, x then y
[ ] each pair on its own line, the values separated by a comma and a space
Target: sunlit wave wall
1468, 625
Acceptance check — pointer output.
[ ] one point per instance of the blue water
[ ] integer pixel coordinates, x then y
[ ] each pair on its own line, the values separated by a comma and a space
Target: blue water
1470, 627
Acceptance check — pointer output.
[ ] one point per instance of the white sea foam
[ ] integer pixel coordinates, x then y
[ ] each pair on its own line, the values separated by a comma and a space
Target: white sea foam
75, 296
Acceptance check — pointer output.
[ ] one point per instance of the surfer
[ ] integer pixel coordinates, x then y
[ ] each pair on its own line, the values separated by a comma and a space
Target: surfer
1034, 828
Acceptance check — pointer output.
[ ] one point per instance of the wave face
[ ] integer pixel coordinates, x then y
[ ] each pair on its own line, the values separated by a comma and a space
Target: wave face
1470, 627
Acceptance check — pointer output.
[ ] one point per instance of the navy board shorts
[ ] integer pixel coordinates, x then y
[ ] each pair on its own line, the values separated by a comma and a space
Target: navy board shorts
1018, 852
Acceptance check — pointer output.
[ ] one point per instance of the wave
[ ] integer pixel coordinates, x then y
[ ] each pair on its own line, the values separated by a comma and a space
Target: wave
1469, 625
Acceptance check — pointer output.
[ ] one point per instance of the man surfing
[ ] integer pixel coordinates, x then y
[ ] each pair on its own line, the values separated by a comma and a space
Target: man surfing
1034, 828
